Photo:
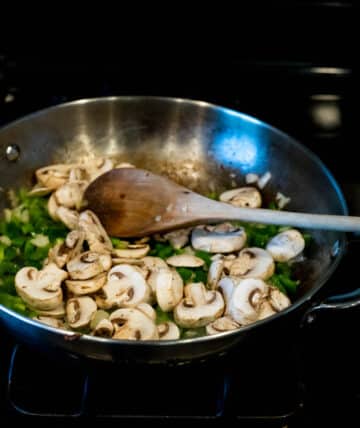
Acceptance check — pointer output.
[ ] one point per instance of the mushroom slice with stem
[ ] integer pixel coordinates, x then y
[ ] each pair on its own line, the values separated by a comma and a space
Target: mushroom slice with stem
199, 307
64, 251
53, 176
40, 289
132, 324
185, 260
104, 328
218, 240
245, 302
286, 245
152, 265
275, 302
133, 251
79, 311
86, 286
88, 264
246, 197
126, 286
169, 287
227, 285
221, 325
253, 263
95, 234
168, 331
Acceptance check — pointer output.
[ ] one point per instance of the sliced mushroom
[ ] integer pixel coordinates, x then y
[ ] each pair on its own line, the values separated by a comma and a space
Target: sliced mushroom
58, 312
40, 289
64, 251
152, 265
245, 302
278, 300
38, 190
69, 217
226, 286
221, 325
253, 263
86, 286
148, 310
98, 166
79, 311
52, 207
215, 272
135, 251
104, 328
185, 260
199, 307
52, 322
286, 245
70, 194
246, 197
95, 234
126, 261
178, 238
133, 324
169, 287
126, 287
88, 264
168, 331
53, 176
218, 241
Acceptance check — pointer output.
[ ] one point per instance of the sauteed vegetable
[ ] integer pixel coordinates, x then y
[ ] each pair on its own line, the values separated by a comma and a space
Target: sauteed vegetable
58, 266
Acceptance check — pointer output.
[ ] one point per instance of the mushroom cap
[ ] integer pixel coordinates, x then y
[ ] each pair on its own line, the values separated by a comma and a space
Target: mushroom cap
168, 331
216, 241
246, 299
95, 234
79, 311
40, 289
58, 312
148, 310
133, 324
221, 325
286, 245
199, 307
246, 197
88, 264
86, 286
253, 263
169, 288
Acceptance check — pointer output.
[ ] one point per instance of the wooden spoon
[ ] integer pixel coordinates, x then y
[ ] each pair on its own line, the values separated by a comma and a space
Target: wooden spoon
133, 202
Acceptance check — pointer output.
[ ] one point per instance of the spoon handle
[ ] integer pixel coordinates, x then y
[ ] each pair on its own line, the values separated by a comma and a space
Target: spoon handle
221, 211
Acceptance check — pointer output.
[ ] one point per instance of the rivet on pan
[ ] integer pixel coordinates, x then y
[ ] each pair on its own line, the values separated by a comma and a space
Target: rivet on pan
12, 152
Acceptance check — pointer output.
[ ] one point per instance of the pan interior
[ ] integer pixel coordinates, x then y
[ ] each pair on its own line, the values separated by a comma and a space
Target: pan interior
203, 147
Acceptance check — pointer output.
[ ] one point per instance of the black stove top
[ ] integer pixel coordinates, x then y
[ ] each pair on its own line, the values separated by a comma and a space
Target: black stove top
308, 381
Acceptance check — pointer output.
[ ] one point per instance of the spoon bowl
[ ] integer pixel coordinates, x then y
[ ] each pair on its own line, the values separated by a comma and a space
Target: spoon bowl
133, 202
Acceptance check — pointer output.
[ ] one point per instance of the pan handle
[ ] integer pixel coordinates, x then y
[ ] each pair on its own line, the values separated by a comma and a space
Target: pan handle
340, 302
